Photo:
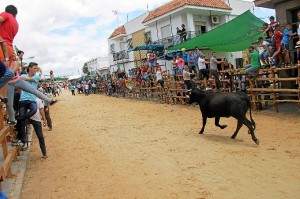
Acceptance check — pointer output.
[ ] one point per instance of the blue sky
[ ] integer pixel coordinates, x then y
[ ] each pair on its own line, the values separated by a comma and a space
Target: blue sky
63, 35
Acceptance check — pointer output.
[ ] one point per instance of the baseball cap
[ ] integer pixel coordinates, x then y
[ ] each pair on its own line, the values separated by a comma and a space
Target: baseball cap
183, 49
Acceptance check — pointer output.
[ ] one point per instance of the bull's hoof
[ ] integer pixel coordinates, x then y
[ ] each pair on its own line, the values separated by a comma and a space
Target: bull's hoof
232, 137
223, 126
256, 141
201, 132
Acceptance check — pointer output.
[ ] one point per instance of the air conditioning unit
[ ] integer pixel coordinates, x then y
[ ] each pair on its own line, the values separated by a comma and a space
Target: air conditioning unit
123, 39
215, 19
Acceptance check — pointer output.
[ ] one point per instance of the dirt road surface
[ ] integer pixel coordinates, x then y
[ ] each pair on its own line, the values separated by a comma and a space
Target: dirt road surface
104, 147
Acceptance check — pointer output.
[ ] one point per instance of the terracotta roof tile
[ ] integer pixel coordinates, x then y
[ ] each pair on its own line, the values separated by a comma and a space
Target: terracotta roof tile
175, 4
118, 31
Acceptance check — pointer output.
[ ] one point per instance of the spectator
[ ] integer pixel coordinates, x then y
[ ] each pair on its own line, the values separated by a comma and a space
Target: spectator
298, 25
253, 58
197, 53
265, 30
277, 37
298, 51
152, 61
191, 62
25, 83
36, 121
203, 71
285, 43
5, 73
174, 68
179, 61
72, 88
185, 56
159, 78
187, 77
263, 47
178, 36
273, 23
183, 33
214, 69
46, 111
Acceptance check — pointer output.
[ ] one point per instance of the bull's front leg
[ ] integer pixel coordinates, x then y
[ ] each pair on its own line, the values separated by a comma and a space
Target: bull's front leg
217, 123
204, 118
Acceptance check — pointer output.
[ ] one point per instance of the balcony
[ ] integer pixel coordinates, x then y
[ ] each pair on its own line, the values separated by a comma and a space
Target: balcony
268, 3
176, 39
121, 55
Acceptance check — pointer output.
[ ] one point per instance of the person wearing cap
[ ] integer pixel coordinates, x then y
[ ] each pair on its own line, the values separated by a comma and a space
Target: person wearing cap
185, 56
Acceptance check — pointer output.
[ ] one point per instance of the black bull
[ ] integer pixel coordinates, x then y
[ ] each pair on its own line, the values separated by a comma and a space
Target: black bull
216, 105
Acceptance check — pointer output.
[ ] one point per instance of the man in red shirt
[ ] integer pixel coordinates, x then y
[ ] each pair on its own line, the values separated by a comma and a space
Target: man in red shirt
8, 30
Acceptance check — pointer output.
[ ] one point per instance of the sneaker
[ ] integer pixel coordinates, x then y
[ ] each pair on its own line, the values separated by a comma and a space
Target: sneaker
272, 60
11, 123
53, 102
273, 67
3, 100
45, 156
208, 88
20, 144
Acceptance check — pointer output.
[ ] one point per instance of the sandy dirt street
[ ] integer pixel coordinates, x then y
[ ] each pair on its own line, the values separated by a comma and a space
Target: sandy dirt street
105, 147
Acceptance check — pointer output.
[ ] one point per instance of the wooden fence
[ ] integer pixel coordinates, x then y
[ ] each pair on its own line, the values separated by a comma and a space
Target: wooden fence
272, 86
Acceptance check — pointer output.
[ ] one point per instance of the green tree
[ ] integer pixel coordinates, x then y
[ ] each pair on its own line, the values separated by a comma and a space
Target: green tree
85, 69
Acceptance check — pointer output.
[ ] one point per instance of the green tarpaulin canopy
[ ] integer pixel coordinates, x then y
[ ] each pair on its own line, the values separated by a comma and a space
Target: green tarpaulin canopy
236, 35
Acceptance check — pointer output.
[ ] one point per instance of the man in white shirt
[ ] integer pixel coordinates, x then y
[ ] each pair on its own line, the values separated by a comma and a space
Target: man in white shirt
203, 71
36, 121
187, 77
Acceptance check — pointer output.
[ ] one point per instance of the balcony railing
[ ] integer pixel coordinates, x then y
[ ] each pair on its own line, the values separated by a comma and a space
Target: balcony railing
121, 55
176, 39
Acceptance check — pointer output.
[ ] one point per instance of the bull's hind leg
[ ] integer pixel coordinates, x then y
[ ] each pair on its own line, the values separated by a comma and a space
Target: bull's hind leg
238, 127
251, 129
204, 118
217, 120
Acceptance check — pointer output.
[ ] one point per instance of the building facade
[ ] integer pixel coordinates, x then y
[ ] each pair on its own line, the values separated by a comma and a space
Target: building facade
159, 27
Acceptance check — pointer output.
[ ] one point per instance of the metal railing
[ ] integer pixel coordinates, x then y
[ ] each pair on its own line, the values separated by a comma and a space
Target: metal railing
120, 55
177, 39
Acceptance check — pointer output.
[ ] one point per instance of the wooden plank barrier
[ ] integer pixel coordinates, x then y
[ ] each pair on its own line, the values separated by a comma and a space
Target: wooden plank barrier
266, 88
8, 155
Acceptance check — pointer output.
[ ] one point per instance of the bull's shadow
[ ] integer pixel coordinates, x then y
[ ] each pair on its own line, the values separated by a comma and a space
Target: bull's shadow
225, 139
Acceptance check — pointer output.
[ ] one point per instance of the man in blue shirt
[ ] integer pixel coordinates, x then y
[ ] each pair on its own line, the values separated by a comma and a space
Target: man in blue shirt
27, 102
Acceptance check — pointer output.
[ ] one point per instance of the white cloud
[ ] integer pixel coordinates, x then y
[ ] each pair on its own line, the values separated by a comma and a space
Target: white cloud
62, 35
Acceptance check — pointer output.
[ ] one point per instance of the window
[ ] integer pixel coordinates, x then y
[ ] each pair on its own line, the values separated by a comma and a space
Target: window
200, 27
165, 32
112, 48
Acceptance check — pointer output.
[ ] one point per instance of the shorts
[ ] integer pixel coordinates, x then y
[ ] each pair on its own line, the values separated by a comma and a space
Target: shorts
152, 64
278, 46
205, 73
285, 47
263, 55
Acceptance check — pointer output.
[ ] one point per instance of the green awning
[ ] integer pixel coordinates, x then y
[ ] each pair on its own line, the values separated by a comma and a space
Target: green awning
235, 35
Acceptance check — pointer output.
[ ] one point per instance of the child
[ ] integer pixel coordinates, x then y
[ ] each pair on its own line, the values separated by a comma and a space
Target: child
285, 42
278, 37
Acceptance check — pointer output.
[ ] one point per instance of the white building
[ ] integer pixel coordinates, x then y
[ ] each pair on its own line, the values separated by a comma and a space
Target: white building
159, 27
